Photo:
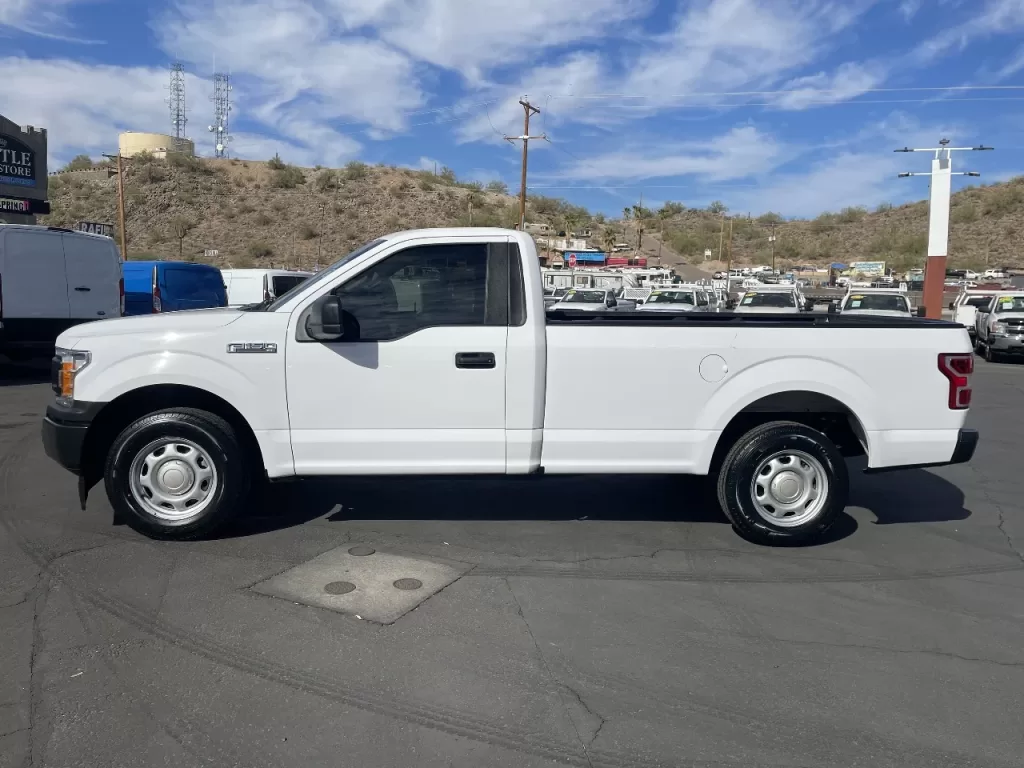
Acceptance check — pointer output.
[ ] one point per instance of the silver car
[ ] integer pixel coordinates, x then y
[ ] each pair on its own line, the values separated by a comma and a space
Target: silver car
587, 300
675, 300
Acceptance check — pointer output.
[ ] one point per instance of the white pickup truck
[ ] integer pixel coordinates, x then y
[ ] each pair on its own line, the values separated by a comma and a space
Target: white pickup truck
430, 352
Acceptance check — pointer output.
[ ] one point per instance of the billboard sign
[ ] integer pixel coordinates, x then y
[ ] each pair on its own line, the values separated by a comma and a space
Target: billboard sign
95, 228
17, 163
867, 268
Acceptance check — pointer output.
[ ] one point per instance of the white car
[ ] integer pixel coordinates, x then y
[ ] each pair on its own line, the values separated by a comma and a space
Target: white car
689, 299
770, 300
878, 302
429, 353
586, 300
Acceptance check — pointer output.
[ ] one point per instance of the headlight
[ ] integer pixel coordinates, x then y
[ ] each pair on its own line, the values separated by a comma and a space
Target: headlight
998, 327
67, 363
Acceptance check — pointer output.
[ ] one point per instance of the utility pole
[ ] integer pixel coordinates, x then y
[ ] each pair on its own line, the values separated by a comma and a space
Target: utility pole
529, 110
729, 267
938, 219
320, 242
721, 238
120, 204
771, 239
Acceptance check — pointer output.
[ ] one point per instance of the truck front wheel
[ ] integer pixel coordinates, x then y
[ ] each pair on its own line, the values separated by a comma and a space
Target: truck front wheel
783, 483
176, 474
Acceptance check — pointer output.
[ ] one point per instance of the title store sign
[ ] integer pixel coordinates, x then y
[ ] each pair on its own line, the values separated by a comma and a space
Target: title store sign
17, 163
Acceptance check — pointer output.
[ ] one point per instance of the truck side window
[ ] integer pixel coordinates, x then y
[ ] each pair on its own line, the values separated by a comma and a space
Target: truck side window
425, 287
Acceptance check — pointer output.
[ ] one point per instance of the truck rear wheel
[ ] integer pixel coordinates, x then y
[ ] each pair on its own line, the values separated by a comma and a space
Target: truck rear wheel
176, 474
783, 483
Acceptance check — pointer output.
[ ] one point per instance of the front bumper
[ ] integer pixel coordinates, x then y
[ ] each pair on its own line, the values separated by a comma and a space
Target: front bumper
1009, 345
963, 451
64, 431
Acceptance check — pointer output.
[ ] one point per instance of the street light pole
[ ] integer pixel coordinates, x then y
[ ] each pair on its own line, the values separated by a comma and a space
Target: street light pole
938, 219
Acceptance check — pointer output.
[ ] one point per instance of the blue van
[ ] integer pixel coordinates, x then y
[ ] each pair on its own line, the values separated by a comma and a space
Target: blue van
169, 286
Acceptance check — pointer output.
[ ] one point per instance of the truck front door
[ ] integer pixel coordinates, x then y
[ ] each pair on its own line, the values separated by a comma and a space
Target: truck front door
417, 384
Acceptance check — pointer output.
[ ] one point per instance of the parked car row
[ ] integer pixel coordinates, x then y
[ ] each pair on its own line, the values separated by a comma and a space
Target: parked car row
52, 279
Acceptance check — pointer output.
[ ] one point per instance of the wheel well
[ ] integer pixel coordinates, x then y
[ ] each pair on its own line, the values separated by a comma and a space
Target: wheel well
813, 409
123, 410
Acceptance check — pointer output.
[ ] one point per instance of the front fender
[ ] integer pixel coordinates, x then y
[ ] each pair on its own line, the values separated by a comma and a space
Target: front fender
249, 390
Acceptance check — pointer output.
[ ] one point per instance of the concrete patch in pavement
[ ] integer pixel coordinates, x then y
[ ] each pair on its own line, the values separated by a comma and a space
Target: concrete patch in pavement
377, 586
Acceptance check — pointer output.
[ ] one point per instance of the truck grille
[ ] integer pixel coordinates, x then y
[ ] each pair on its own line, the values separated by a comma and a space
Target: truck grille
1015, 325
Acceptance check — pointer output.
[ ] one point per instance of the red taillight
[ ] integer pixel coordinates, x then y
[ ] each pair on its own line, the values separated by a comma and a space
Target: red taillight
957, 368
120, 290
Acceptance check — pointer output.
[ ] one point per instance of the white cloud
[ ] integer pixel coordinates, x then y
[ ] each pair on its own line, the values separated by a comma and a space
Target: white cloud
740, 153
289, 53
84, 107
1013, 66
909, 8
846, 82
994, 18
41, 18
864, 178
471, 36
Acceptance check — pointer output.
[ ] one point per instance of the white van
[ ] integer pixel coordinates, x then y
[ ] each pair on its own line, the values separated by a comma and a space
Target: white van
50, 280
251, 286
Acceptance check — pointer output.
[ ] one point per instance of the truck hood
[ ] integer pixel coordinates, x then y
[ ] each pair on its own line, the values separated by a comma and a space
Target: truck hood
767, 310
877, 312
585, 307
187, 321
666, 308
1001, 316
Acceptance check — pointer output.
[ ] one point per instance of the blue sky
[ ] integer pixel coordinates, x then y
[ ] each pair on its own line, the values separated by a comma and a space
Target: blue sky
793, 106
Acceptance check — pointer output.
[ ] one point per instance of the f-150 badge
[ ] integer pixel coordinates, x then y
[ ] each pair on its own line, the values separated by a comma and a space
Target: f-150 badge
253, 347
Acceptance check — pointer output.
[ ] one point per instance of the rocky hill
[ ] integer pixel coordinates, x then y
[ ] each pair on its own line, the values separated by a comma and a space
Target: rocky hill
273, 214
268, 213
986, 229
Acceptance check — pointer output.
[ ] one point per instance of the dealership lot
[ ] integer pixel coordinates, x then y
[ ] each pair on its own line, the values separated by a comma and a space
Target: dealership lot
580, 621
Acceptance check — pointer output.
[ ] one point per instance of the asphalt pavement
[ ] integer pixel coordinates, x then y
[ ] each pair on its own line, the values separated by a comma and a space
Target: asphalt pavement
600, 622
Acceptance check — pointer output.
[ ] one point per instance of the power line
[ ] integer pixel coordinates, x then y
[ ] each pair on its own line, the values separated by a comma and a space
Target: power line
851, 102
783, 91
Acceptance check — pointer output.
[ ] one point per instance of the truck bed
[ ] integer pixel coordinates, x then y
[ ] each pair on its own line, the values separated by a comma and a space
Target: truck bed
720, 319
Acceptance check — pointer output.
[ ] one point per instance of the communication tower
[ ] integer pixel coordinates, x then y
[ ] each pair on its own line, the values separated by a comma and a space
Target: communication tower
176, 101
221, 113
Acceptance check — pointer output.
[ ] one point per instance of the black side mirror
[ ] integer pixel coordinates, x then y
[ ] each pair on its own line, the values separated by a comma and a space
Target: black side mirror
833, 308
808, 305
324, 320
921, 312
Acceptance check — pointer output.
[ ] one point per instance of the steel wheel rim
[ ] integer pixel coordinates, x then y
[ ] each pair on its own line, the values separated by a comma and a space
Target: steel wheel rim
173, 479
789, 488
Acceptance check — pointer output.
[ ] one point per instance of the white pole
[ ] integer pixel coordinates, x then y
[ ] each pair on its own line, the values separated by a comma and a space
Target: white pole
938, 208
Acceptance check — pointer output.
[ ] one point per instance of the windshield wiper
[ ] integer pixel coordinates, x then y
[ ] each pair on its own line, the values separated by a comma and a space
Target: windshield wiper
260, 306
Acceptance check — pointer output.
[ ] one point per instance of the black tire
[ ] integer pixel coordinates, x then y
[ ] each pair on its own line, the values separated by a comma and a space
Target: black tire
991, 356
735, 487
214, 437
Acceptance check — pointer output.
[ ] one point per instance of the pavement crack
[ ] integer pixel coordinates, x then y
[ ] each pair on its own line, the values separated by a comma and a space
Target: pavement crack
560, 685
586, 708
641, 556
41, 593
1006, 534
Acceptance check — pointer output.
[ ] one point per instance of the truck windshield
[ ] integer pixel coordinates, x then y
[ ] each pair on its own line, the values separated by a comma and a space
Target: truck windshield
1010, 304
319, 277
886, 302
584, 297
773, 300
672, 297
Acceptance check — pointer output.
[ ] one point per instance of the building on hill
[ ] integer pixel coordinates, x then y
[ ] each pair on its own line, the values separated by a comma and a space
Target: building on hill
131, 143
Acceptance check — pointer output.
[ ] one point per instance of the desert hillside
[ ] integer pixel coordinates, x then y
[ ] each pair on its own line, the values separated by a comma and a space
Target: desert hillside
263, 213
